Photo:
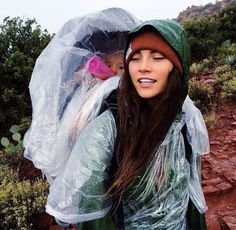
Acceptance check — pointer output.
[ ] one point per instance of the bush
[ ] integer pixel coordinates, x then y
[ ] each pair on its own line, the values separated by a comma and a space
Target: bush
230, 60
221, 70
21, 42
210, 119
227, 48
201, 94
13, 151
229, 89
20, 202
222, 75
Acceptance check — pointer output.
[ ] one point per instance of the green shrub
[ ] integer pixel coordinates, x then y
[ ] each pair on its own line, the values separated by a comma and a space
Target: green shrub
222, 74
230, 60
201, 94
229, 89
16, 137
21, 201
221, 70
196, 68
12, 153
227, 48
210, 119
7, 175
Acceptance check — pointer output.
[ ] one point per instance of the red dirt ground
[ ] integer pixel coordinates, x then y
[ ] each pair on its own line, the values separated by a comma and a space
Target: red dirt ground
219, 170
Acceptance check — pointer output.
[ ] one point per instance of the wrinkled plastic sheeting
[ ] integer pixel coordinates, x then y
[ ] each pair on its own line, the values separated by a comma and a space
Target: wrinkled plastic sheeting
78, 194
60, 86
157, 199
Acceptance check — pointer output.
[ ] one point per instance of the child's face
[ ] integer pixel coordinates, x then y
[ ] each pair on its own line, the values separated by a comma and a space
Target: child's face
115, 62
149, 72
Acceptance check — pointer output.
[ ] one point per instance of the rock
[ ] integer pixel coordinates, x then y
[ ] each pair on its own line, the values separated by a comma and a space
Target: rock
233, 160
206, 174
231, 177
224, 187
233, 124
227, 217
225, 147
210, 190
212, 181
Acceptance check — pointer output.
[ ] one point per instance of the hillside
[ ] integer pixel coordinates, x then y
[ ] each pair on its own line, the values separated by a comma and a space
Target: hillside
198, 12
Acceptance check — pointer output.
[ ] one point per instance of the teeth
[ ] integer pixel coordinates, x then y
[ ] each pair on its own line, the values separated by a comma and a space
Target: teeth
146, 81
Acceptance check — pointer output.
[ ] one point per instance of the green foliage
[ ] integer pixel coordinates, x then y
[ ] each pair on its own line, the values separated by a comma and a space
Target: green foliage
196, 69
210, 119
11, 148
201, 94
226, 48
230, 60
207, 36
12, 153
229, 89
21, 42
20, 202
7, 175
222, 69
227, 22
224, 85
203, 37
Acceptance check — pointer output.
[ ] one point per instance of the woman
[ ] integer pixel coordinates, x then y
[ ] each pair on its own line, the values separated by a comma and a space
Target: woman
140, 164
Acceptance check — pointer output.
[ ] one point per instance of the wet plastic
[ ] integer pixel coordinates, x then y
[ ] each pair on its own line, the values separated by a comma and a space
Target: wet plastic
65, 94
157, 199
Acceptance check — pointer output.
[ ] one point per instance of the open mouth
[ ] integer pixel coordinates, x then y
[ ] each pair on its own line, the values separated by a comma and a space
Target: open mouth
146, 81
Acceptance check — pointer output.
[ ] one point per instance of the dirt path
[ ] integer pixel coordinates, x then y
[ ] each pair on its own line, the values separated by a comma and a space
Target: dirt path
219, 170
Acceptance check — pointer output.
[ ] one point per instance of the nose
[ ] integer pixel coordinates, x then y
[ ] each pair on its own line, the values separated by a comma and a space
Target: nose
114, 69
144, 65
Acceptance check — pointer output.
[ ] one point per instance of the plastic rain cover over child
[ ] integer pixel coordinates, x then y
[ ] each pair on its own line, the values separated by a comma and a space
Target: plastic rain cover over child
69, 82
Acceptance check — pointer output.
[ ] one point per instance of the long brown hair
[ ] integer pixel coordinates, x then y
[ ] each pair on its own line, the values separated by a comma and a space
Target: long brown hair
143, 124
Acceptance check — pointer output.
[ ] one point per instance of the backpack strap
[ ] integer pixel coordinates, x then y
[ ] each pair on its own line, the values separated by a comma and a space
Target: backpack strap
188, 148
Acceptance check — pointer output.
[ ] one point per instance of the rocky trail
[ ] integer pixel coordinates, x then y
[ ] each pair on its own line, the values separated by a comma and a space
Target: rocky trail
219, 170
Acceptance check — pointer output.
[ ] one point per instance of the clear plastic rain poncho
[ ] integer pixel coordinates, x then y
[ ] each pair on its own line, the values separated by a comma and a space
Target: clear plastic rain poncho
157, 199
69, 83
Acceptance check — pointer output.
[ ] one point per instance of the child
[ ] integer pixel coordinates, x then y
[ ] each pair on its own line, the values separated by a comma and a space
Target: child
67, 90
139, 163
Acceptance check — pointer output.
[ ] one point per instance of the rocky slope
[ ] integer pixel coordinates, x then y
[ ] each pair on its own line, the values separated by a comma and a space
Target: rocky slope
219, 170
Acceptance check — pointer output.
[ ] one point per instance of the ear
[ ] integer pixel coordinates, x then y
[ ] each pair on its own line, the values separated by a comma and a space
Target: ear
171, 66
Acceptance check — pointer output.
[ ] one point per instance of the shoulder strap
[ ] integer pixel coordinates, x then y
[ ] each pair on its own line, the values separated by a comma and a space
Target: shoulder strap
188, 148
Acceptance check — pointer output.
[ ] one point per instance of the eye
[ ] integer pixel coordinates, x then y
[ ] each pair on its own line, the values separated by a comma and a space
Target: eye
158, 58
108, 64
121, 67
135, 58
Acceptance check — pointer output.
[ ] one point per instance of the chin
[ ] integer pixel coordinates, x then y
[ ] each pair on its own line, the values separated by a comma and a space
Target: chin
148, 95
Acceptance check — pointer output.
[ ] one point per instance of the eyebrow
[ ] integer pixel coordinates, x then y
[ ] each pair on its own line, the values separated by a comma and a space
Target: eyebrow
152, 51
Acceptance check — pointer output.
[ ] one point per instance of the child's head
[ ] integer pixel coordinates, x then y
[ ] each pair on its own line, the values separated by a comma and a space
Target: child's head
115, 62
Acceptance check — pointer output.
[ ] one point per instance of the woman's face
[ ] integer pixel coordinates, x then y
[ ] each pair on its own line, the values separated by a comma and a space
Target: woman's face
149, 71
115, 62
